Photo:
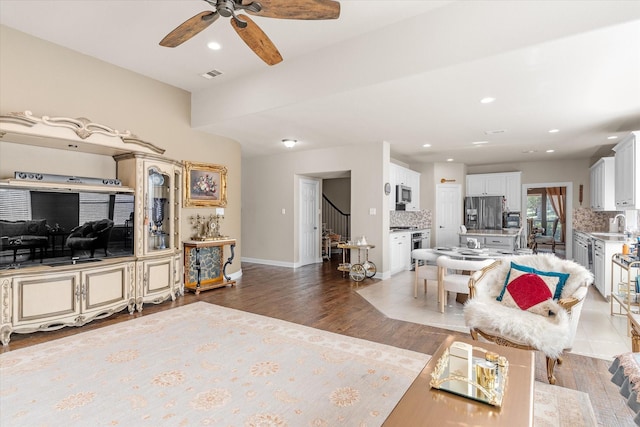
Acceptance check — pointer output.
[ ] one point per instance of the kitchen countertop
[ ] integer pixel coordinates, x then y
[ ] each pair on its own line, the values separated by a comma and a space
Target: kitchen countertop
505, 232
608, 237
408, 230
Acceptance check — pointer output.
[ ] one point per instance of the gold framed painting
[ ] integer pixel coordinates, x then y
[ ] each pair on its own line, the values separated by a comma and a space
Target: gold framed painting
204, 185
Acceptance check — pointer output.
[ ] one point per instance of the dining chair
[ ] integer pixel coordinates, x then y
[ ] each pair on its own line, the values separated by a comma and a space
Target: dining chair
454, 274
428, 270
548, 240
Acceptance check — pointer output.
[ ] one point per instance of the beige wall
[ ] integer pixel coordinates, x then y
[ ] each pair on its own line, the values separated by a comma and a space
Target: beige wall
271, 184
50, 80
338, 191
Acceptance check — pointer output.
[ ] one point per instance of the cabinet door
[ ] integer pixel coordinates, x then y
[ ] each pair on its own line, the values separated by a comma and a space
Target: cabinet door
107, 288
495, 185
596, 188
414, 183
627, 158
158, 279
513, 192
46, 299
158, 207
475, 185
400, 251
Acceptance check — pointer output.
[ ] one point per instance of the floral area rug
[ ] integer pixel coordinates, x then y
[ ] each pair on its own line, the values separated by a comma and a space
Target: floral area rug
203, 364
561, 407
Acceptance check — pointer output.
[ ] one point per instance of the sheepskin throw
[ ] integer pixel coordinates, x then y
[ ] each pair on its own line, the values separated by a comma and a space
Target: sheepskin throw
549, 334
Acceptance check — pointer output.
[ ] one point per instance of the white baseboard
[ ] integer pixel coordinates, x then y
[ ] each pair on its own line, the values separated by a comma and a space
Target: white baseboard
269, 262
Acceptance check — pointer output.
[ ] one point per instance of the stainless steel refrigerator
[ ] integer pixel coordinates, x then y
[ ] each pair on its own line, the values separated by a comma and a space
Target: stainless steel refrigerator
483, 213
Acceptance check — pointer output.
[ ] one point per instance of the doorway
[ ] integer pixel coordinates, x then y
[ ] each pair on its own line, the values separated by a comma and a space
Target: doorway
309, 221
448, 214
546, 204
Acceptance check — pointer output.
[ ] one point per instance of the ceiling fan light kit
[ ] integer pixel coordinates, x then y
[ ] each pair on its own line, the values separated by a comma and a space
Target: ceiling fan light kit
248, 30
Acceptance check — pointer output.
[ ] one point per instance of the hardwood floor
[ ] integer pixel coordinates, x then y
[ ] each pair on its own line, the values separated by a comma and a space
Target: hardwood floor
318, 296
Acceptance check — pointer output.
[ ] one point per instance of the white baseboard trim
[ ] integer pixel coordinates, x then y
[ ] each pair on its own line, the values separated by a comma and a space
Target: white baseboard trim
269, 262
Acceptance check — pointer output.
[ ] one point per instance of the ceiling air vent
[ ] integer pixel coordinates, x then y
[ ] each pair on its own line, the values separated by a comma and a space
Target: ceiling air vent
494, 132
211, 74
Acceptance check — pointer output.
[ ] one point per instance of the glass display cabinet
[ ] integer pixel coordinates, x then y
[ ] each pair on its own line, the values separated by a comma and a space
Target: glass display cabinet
156, 209
156, 239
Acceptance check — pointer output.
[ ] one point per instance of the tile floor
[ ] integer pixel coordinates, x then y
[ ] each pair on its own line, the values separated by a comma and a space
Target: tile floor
599, 334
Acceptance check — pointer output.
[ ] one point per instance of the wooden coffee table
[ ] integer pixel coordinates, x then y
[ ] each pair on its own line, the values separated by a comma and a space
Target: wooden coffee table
423, 406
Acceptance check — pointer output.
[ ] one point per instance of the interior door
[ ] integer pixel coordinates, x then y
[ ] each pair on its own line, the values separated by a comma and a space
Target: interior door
448, 214
309, 220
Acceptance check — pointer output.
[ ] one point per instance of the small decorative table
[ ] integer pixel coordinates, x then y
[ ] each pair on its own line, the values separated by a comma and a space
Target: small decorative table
422, 405
204, 265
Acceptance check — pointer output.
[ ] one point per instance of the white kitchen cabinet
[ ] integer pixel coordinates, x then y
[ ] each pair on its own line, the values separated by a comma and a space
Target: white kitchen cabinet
603, 251
581, 249
603, 185
627, 161
399, 175
400, 251
506, 184
513, 191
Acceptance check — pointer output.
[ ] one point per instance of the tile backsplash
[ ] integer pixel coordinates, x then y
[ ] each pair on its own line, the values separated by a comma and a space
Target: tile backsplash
420, 219
584, 219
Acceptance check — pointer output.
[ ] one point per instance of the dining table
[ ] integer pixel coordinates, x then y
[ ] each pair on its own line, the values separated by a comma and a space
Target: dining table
460, 252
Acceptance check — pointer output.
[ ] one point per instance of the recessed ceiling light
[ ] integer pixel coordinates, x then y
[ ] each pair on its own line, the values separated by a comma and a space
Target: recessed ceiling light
529, 151
289, 143
426, 145
554, 131
550, 151
214, 46
449, 160
480, 142
612, 137
487, 100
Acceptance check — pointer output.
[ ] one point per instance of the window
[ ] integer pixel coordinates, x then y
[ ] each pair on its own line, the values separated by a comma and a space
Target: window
15, 205
539, 208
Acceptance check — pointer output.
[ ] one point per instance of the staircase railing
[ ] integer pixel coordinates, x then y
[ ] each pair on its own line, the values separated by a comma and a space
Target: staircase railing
335, 220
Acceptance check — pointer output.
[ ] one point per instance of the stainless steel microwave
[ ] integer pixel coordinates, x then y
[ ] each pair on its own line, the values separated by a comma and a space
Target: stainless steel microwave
403, 194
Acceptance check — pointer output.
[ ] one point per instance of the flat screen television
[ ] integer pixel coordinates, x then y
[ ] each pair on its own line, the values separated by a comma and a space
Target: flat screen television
35, 225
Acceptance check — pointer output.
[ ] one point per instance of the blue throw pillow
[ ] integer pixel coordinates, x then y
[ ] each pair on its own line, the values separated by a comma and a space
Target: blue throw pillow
556, 290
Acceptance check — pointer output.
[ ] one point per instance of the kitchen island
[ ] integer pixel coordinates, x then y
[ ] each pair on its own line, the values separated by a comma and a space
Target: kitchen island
505, 239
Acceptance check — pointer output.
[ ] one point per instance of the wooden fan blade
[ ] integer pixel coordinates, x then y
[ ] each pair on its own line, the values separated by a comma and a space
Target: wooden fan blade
297, 9
257, 40
189, 28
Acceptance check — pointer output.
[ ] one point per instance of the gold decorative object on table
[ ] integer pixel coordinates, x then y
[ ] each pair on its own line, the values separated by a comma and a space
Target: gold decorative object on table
487, 383
207, 228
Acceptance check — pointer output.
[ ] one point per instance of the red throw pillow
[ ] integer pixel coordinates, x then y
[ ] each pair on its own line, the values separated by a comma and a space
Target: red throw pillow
532, 290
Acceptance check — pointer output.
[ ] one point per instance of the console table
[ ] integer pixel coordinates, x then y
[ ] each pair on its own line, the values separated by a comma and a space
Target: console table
204, 265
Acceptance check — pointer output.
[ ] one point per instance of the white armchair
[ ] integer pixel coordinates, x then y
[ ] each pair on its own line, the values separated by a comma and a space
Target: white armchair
518, 315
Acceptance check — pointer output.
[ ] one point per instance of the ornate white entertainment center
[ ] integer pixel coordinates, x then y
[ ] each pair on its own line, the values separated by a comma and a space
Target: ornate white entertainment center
48, 296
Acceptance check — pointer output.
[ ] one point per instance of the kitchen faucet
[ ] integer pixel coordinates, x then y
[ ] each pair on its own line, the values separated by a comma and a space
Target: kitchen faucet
616, 218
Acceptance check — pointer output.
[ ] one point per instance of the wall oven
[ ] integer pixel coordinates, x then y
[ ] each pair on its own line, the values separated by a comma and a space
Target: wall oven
419, 240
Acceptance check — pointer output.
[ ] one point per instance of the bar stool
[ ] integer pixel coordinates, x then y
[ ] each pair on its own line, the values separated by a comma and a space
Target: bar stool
428, 270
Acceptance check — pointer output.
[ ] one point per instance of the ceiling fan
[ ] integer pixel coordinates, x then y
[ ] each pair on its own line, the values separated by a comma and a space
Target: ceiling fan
248, 30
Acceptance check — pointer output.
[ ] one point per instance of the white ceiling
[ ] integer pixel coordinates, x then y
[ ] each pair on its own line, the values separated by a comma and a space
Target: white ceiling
406, 72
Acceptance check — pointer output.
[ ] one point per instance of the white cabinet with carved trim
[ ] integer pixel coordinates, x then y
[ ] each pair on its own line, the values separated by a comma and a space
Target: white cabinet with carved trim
71, 296
157, 182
